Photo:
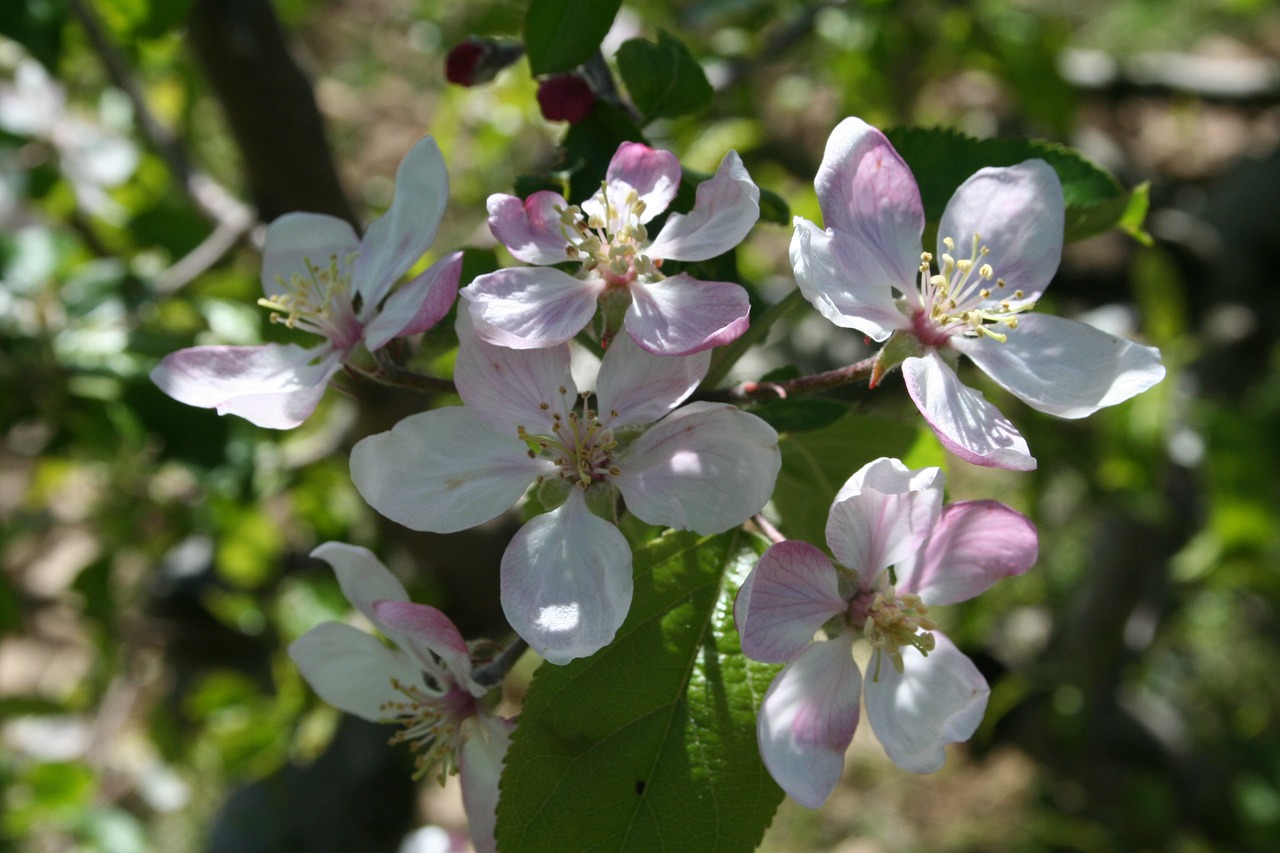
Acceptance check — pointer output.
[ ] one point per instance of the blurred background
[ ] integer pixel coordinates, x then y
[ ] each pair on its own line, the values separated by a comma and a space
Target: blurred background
153, 556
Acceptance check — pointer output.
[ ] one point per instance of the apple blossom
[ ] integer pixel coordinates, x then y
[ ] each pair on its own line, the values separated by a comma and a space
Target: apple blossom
320, 278
566, 576
539, 306
425, 684
898, 552
999, 243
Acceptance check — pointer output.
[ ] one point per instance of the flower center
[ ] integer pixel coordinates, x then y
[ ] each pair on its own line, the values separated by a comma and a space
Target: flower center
319, 301
580, 445
611, 242
432, 725
890, 621
965, 297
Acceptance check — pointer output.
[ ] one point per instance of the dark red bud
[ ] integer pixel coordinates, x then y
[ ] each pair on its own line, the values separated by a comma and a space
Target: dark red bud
476, 60
565, 97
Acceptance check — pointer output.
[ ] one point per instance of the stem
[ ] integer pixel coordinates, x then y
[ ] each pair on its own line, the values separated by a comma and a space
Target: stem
388, 372
728, 356
767, 528
492, 673
749, 391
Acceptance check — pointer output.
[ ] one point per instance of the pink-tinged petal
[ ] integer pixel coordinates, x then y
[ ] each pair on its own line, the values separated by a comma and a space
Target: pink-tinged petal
682, 315
1018, 212
531, 229
975, 544
807, 720
963, 420
276, 386
426, 631
443, 471
936, 700
394, 241
725, 208
512, 388
868, 194
531, 307
296, 239
827, 271
418, 305
352, 670
361, 576
705, 467
566, 582
791, 593
479, 768
635, 387
1064, 367
653, 173
882, 515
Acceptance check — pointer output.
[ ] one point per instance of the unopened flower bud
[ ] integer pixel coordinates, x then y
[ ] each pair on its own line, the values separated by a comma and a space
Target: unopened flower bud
565, 97
476, 60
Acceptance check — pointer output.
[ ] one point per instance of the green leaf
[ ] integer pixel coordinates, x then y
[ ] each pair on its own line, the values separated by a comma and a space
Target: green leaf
560, 35
942, 159
650, 743
590, 145
799, 414
817, 463
37, 26
664, 79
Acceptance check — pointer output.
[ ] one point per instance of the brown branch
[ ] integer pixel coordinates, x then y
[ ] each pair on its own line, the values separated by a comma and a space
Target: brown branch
749, 391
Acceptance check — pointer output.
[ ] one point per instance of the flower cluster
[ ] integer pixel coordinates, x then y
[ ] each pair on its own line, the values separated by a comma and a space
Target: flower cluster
638, 444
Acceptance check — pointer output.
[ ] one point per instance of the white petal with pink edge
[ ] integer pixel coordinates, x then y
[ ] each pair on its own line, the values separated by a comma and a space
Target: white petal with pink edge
1064, 367
705, 467
422, 302
843, 283
973, 545
513, 388
566, 582
531, 307
808, 718
653, 173
725, 208
1018, 213
682, 315
963, 420
479, 768
352, 670
444, 470
427, 631
296, 239
936, 700
792, 591
530, 229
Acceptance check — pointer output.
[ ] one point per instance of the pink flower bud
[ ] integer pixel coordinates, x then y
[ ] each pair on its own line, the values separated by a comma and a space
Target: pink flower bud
476, 60
565, 97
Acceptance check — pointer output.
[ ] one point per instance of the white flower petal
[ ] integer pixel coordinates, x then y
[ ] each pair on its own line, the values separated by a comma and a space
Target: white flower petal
352, 670
479, 768
296, 239
531, 307
882, 515
530, 229
1064, 367
566, 582
973, 545
682, 315
513, 388
395, 240
427, 632
653, 173
635, 387
832, 277
361, 576
963, 420
791, 593
706, 467
937, 700
1018, 212
808, 718
444, 470
725, 208
422, 302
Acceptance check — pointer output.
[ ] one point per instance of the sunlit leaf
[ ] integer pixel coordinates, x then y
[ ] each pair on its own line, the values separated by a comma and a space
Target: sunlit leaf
560, 35
663, 78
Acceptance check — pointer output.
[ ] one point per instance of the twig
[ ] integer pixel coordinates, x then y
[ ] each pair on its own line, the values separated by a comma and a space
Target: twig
749, 391
492, 673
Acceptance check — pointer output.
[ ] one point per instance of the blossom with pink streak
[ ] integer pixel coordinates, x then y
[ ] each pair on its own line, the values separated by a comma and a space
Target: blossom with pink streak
566, 576
898, 552
425, 683
539, 306
999, 243
319, 277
